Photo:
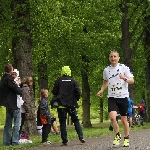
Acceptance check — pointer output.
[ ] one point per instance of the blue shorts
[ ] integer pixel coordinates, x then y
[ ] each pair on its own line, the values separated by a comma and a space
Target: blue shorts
129, 114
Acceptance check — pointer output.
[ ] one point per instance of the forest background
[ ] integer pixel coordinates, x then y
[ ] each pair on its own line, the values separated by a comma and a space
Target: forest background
41, 36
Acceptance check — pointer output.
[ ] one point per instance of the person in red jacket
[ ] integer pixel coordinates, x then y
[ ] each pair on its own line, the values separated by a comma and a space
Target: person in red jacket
142, 111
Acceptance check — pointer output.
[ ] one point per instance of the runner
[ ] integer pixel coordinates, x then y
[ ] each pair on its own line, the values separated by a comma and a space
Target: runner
117, 77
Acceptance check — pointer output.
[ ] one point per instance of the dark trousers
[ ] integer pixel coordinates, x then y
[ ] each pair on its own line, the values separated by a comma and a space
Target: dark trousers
23, 117
62, 115
45, 131
142, 114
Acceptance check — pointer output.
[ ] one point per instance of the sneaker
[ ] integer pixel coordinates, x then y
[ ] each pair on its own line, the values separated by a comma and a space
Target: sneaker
116, 140
126, 143
47, 142
57, 133
82, 140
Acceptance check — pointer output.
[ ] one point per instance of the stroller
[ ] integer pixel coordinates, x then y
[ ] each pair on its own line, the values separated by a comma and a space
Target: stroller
135, 117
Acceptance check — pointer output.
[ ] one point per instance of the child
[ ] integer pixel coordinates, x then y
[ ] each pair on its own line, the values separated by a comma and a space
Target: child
15, 76
44, 114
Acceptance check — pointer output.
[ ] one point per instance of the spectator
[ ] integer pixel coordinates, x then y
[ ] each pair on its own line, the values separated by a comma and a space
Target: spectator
142, 111
130, 106
15, 76
68, 93
8, 94
38, 121
54, 128
28, 121
44, 112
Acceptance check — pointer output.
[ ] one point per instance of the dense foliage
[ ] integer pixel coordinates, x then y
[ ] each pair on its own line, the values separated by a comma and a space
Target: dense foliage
65, 32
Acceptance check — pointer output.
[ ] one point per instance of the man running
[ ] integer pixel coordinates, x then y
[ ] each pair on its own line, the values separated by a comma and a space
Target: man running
117, 77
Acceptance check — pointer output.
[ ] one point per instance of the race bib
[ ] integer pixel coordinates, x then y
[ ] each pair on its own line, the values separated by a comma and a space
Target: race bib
115, 89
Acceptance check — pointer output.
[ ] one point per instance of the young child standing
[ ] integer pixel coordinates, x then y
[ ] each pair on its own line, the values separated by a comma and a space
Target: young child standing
44, 114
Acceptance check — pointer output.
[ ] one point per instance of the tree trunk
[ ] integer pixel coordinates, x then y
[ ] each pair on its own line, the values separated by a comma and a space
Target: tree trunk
21, 43
86, 101
22, 48
43, 75
127, 52
147, 54
101, 110
30, 126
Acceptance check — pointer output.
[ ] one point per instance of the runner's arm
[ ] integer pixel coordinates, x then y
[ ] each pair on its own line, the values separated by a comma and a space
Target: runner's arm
129, 80
104, 85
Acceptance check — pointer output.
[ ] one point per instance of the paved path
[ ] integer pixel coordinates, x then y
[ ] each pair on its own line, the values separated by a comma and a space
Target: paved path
139, 140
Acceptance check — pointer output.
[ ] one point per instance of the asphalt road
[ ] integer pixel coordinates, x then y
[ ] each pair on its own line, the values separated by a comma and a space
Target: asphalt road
139, 140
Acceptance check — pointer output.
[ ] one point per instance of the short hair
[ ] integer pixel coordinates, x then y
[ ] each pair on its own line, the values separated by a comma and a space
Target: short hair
8, 68
26, 80
114, 51
43, 92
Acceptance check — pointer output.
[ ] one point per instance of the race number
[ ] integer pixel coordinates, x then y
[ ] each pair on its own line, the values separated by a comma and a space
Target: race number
115, 89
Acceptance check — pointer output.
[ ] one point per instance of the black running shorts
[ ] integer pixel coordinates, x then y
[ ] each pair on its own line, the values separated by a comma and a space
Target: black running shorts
115, 104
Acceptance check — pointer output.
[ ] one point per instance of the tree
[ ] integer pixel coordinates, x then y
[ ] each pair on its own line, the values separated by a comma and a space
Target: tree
22, 50
5, 34
132, 32
147, 55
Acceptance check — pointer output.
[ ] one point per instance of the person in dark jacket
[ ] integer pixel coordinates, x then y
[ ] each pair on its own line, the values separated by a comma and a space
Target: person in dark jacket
142, 111
8, 98
44, 115
68, 92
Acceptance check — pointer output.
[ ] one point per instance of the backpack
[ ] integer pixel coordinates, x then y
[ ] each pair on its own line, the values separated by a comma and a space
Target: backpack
141, 107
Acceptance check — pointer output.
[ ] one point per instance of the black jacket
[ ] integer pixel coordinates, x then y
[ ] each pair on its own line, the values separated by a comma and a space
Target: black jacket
8, 92
67, 90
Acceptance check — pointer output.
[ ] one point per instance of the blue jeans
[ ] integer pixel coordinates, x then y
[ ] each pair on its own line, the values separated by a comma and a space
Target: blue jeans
62, 115
10, 115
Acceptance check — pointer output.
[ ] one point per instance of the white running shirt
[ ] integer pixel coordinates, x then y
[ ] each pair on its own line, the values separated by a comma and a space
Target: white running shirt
117, 87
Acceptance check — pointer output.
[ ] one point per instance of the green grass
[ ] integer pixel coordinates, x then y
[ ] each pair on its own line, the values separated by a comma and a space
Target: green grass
88, 132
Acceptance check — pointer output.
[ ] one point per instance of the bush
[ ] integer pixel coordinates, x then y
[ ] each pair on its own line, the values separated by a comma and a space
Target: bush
3, 115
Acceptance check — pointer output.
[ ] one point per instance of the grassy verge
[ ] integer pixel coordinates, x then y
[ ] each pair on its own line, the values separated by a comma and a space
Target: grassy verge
95, 131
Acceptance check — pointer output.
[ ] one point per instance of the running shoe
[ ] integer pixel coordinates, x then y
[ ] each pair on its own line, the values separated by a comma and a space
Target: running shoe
126, 143
116, 140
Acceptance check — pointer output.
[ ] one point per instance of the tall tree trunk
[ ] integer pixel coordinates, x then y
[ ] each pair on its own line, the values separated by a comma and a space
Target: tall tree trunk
147, 54
22, 47
85, 94
86, 101
21, 42
101, 110
127, 52
43, 75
